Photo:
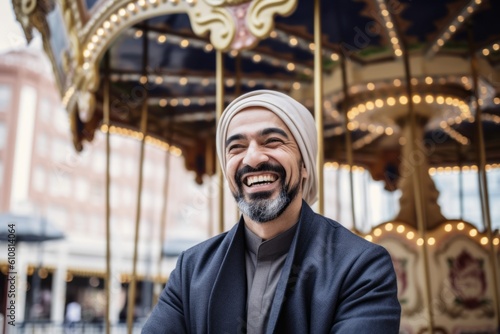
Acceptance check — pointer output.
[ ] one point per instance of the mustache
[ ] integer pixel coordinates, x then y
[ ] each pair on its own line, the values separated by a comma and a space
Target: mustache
263, 167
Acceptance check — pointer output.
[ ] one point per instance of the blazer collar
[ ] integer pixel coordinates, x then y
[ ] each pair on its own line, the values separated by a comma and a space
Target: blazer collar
290, 271
227, 304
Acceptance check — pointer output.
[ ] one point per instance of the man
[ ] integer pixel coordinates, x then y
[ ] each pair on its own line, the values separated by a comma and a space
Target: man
282, 268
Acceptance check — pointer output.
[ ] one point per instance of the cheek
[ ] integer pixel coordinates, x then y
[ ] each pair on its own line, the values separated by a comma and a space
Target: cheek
231, 168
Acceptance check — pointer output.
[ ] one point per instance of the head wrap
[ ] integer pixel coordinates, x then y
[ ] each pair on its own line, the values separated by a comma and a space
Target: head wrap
296, 117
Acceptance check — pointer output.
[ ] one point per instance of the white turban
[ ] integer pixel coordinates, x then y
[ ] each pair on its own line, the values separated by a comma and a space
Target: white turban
296, 117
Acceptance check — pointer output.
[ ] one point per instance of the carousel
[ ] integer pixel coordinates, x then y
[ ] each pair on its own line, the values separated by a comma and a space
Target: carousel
401, 89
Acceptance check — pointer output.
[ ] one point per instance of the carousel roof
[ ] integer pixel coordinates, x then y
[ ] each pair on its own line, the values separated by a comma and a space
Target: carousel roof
162, 52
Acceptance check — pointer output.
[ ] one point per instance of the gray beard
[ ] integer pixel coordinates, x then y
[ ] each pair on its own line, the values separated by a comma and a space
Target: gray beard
262, 209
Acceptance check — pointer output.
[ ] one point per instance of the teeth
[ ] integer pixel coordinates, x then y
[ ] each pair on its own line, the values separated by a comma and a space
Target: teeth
259, 179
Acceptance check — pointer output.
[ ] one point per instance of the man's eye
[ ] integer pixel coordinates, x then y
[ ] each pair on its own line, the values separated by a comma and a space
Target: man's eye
235, 147
273, 141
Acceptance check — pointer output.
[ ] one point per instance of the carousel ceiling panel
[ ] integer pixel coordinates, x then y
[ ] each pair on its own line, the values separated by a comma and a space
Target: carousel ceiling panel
159, 56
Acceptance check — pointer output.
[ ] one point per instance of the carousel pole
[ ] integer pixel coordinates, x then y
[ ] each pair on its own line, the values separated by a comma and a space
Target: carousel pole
106, 118
163, 220
348, 139
143, 128
417, 191
237, 92
219, 106
481, 171
318, 102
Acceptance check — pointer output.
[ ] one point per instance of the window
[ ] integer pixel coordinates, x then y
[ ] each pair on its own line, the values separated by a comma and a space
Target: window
82, 189
42, 144
5, 97
62, 120
1, 173
44, 110
39, 178
3, 135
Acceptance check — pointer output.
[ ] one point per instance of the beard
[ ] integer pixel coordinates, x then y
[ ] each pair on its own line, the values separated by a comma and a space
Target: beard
260, 207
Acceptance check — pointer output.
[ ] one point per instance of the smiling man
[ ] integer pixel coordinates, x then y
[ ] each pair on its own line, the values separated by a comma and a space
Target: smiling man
282, 268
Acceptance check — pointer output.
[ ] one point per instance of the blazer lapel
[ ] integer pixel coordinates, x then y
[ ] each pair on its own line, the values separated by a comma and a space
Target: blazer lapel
291, 268
227, 305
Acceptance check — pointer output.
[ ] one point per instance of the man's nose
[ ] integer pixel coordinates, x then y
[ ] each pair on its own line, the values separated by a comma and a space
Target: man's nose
255, 155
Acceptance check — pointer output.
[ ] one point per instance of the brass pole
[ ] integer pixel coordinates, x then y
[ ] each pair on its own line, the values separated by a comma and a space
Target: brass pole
219, 106
106, 121
417, 190
143, 128
481, 172
318, 103
237, 92
133, 279
163, 216
348, 139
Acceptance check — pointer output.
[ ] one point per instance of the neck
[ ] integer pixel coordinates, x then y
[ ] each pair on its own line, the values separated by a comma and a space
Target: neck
272, 228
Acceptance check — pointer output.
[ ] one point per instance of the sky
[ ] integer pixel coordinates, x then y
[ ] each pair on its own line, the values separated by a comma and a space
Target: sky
11, 32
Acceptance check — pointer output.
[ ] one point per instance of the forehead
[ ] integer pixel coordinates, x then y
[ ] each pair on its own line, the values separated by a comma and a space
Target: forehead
255, 119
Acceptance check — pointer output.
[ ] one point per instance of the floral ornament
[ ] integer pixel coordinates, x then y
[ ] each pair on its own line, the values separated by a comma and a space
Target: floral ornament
468, 280
466, 288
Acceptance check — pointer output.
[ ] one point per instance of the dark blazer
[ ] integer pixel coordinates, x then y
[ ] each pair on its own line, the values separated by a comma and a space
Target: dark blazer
332, 282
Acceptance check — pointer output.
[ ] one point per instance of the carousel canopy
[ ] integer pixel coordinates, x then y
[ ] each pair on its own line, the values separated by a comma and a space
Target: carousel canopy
162, 54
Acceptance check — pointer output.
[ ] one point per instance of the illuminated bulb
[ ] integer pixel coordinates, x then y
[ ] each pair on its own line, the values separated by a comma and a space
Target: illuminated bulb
428, 80
233, 53
420, 241
389, 131
293, 41
397, 82
290, 66
183, 81
334, 57
440, 99
209, 47
484, 241
273, 34
473, 232
429, 98
184, 43
410, 235
398, 52
296, 85
369, 238
403, 99
370, 105
186, 102
122, 12
377, 232
256, 58
460, 226
414, 81
163, 102
143, 79
174, 102
496, 241
391, 101
311, 46
389, 25
431, 241
370, 86
379, 103
416, 99
400, 229
158, 80
162, 39
389, 227
106, 24
131, 7
486, 52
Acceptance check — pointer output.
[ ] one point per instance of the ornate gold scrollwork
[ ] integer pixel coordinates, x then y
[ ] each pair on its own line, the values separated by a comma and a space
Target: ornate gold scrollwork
261, 12
216, 20
223, 3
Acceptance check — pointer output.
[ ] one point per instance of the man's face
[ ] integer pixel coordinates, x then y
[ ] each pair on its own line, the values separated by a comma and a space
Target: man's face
263, 164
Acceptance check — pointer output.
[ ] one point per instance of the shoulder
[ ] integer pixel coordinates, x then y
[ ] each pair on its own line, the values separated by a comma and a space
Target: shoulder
333, 238
210, 251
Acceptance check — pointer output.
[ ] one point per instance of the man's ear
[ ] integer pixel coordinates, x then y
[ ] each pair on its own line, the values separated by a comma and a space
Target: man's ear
303, 171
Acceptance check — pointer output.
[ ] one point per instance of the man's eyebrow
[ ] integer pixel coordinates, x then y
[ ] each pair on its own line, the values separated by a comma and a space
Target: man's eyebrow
237, 136
269, 131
